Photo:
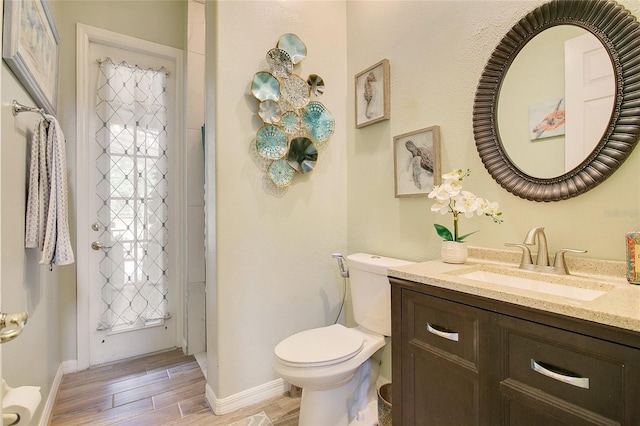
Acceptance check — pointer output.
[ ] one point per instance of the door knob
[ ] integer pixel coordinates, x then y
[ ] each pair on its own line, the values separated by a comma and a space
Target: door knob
97, 245
17, 321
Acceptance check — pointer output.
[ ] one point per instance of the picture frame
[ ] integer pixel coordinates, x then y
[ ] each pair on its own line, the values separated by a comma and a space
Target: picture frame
31, 48
372, 90
417, 162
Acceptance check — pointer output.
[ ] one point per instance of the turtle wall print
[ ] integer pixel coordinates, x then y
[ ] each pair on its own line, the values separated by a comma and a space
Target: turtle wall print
417, 162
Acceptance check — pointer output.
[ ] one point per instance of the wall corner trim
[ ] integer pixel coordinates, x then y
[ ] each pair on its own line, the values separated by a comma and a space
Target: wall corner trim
245, 398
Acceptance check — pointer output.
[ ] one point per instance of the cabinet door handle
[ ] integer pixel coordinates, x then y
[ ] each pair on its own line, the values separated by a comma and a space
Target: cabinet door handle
564, 376
446, 334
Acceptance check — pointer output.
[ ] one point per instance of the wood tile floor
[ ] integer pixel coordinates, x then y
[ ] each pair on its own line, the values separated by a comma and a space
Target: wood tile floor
160, 389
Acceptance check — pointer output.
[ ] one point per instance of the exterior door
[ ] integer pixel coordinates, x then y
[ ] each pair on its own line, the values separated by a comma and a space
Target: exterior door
131, 225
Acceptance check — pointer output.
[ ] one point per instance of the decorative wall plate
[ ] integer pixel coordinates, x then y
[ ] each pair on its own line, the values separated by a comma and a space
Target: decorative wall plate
318, 121
270, 111
295, 90
302, 155
265, 86
290, 122
316, 84
295, 128
280, 62
271, 142
292, 44
280, 173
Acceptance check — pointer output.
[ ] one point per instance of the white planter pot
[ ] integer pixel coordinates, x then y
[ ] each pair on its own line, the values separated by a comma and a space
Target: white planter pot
454, 252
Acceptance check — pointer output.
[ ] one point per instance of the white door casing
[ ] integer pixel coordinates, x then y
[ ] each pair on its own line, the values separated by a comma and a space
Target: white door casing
94, 346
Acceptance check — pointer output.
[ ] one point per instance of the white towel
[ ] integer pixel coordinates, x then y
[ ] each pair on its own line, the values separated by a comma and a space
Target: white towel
47, 203
38, 195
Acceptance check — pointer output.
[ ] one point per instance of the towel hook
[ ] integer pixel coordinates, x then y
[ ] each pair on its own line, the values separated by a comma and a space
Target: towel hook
17, 108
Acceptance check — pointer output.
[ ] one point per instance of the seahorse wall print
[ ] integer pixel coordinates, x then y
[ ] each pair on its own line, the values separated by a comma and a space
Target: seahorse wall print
370, 91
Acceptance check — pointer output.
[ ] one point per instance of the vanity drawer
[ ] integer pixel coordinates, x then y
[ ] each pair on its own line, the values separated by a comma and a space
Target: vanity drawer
566, 367
442, 327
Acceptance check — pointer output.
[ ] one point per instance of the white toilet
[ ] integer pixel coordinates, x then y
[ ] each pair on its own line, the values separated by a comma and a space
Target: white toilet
332, 364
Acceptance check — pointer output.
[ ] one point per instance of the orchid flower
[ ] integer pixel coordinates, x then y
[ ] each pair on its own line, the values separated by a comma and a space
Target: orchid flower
450, 198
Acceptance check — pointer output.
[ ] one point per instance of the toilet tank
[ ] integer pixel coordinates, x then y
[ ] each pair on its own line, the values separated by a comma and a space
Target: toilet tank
371, 291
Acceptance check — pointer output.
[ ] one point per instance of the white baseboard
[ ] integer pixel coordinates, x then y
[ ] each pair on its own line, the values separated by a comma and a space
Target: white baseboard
51, 399
245, 398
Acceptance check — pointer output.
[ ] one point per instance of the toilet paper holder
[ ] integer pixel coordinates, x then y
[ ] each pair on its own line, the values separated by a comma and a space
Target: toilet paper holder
17, 321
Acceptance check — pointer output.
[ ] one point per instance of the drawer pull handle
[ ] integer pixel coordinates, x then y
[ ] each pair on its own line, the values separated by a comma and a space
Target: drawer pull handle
447, 334
564, 376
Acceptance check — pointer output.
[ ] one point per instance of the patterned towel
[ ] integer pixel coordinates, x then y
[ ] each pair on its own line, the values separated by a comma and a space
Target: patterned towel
47, 223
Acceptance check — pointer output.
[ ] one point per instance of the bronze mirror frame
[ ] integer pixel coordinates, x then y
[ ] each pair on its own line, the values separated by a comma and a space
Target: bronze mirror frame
619, 32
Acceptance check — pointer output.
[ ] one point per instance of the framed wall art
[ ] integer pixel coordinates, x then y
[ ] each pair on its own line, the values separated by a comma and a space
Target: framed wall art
373, 94
417, 162
30, 49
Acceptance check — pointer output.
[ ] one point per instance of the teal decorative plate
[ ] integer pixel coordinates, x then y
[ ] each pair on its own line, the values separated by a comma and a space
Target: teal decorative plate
290, 122
280, 62
295, 90
265, 86
269, 111
280, 173
271, 142
292, 44
302, 155
318, 121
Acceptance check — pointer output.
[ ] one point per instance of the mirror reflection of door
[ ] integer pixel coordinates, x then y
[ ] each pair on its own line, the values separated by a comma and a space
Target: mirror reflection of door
590, 90
534, 83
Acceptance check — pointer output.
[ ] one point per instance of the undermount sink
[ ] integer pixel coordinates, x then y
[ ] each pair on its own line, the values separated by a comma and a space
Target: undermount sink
566, 286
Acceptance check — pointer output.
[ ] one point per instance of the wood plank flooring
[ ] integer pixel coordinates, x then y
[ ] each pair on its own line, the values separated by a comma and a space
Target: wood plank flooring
160, 389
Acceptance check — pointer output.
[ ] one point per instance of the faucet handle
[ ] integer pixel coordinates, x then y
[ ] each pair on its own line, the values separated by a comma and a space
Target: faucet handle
559, 263
526, 253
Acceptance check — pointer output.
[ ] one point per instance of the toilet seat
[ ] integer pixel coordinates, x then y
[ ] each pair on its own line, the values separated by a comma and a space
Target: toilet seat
320, 347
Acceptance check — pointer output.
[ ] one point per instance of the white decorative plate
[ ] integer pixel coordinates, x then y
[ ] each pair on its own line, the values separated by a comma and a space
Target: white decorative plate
295, 90
280, 62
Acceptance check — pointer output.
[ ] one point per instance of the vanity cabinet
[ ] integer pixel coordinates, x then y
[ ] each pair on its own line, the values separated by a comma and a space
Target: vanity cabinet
460, 359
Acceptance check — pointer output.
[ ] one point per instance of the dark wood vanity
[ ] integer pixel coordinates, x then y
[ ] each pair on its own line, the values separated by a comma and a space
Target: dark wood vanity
463, 359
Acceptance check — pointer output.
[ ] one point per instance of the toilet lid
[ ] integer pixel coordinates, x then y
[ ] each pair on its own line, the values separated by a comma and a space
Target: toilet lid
320, 346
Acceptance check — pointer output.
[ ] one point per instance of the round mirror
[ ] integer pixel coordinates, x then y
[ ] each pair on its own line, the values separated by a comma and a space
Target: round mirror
555, 111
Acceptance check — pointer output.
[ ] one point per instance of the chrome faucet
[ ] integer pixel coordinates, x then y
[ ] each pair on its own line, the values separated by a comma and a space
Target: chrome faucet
537, 236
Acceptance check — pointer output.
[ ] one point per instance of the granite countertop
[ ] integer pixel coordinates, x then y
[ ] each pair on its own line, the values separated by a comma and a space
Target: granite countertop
619, 306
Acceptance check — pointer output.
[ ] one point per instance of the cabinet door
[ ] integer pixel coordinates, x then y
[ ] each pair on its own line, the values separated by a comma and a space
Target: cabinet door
565, 377
443, 352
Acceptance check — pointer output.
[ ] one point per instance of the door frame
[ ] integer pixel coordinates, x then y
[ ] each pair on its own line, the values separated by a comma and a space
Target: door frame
85, 35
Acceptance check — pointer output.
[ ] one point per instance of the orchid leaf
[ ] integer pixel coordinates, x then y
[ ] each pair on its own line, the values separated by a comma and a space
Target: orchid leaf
443, 232
466, 235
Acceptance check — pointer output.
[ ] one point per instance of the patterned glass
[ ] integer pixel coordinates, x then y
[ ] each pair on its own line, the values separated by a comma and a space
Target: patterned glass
132, 190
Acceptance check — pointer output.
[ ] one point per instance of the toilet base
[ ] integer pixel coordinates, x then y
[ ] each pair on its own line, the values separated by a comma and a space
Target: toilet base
352, 404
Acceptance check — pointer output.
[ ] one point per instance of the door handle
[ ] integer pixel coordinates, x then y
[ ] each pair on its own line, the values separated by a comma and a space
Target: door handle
97, 245
16, 320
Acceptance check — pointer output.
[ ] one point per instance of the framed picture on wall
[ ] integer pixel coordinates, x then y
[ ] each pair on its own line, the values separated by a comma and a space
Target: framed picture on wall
30, 49
417, 162
372, 94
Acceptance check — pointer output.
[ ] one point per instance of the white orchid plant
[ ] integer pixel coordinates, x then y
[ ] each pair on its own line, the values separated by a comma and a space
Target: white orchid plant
450, 198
